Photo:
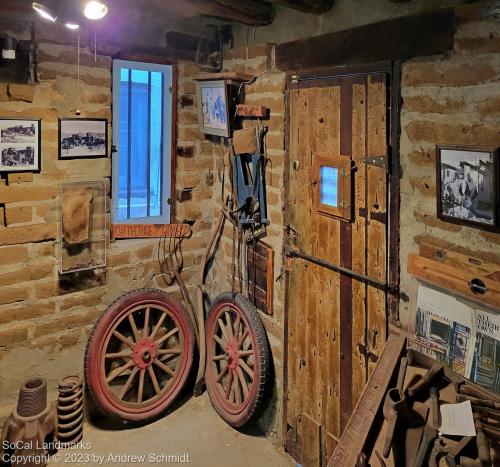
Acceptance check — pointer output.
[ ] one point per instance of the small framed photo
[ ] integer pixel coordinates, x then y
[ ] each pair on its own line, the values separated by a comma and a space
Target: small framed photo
19, 145
213, 107
83, 138
467, 183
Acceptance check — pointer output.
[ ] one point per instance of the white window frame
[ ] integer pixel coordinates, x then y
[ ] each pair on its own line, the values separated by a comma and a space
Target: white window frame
168, 71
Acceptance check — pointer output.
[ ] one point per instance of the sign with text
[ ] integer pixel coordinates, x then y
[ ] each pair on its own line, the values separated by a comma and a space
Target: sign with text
150, 231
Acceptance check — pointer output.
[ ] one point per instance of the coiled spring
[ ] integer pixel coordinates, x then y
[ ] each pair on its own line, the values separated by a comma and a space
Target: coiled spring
70, 410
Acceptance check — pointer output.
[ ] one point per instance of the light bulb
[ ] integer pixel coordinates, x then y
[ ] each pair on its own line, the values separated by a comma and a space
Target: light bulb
43, 11
72, 26
95, 10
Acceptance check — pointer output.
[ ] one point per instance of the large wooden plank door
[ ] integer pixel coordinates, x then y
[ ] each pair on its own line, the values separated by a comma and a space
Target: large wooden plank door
337, 324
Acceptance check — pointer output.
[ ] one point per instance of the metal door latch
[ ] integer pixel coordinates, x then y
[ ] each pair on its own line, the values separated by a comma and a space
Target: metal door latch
368, 354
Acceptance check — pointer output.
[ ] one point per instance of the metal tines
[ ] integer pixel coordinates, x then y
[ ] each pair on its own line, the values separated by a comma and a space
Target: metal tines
70, 410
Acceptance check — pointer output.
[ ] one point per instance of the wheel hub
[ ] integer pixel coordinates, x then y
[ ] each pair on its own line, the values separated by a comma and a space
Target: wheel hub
144, 353
232, 354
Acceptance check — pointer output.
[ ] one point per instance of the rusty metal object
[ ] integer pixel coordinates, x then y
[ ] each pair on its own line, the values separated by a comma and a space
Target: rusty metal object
29, 428
423, 450
434, 393
483, 445
437, 451
426, 381
70, 410
395, 408
451, 457
488, 403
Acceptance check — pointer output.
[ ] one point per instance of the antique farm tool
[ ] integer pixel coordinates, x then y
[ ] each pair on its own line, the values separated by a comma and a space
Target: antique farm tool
70, 410
438, 450
31, 428
451, 457
139, 355
423, 450
488, 403
426, 381
483, 445
434, 393
356, 432
395, 409
402, 373
237, 358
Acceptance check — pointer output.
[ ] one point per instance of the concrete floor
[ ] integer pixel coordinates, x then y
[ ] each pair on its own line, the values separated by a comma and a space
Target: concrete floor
193, 434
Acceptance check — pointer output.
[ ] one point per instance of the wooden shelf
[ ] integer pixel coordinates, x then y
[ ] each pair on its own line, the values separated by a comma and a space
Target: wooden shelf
227, 75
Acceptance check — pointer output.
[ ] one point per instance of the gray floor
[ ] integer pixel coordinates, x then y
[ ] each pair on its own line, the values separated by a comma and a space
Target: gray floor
192, 434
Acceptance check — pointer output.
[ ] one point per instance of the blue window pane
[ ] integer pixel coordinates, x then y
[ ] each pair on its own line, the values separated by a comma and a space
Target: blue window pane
156, 144
123, 148
139, 136
329, 184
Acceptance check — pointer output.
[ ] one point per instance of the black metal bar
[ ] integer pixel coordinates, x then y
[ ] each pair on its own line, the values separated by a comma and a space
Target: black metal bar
148, 162
129, 140
335, 267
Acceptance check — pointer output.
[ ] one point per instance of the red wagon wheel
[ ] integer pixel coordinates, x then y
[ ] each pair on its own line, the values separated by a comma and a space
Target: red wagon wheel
139, 355
237, 359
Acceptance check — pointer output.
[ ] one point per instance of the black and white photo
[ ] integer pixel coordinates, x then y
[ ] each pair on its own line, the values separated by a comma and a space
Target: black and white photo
19, 145
83, 138
467, 185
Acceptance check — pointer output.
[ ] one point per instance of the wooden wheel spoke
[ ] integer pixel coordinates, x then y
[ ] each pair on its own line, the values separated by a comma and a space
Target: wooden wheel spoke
242, 338
158, 325
243, 383
219, 341
128, 383
124, 354
245, 353
229, 385
174, 351
222, 373
223, 329
164, 367
154, 380
237, 391
237, 326
243, 365
217, 358
124, 339
118, 371
145, 331
166, 336
140, 391
133, 325
229, 323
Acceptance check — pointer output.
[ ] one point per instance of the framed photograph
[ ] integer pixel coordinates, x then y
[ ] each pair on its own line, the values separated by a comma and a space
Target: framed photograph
467, 184
213, 107
83, 138
19, 145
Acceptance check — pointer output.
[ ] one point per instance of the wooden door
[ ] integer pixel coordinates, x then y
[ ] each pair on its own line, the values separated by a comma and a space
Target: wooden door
337, 323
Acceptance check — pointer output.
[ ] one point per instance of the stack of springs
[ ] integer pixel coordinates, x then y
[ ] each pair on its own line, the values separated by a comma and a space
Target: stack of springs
70, 410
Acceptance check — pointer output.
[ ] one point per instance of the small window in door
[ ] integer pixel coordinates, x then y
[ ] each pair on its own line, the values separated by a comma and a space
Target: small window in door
333, 196
142, 122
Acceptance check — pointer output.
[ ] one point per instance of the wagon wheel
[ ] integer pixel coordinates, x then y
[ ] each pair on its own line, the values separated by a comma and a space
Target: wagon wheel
139, 355
237, 359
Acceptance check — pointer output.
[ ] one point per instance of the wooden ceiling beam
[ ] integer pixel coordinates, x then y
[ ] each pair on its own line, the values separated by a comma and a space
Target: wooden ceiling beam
316, 7
400, 38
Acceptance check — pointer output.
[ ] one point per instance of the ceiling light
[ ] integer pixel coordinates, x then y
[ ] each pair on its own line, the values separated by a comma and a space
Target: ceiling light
72, 26
95, 10
43, 11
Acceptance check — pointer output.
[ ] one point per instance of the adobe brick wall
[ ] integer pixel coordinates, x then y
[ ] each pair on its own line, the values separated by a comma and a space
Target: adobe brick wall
449, 99
42, 332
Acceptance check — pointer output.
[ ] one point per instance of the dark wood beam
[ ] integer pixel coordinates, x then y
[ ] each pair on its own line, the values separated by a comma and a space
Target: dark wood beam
400, 38
317, 7
250, 12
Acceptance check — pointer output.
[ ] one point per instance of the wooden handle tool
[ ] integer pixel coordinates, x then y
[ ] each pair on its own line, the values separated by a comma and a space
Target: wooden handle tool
426, 381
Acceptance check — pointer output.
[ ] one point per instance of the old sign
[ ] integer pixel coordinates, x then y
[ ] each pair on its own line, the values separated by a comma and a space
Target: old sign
150, 230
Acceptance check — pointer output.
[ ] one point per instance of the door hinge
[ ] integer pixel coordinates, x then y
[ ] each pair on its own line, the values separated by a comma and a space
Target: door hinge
368, 354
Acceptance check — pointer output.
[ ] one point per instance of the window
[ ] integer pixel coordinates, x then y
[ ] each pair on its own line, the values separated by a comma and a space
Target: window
333, 192
142, 122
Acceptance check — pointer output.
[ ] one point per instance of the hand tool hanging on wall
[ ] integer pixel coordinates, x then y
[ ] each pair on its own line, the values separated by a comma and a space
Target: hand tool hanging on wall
248, 151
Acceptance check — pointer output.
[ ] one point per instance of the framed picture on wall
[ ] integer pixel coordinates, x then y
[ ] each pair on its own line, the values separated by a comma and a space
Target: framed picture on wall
83, 138
19, 145
467, 184
213, 108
